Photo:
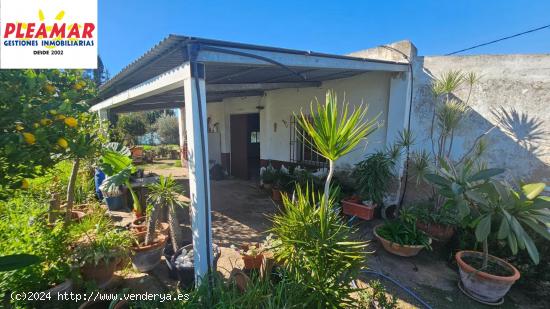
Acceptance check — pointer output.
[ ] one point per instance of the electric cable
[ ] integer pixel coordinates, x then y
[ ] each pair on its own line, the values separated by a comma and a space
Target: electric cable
499, 40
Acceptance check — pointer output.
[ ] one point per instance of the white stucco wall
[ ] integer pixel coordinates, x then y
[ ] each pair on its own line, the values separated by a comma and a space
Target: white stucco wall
516, 85
372, 88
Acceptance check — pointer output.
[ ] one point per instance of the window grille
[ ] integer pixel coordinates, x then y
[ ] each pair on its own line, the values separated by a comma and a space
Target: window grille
301, 150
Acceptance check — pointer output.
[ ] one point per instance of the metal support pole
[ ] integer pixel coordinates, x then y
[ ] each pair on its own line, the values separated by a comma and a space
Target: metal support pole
199, 179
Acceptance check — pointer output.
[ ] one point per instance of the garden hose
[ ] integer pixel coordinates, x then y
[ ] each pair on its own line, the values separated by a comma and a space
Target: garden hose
377, 273
404, 288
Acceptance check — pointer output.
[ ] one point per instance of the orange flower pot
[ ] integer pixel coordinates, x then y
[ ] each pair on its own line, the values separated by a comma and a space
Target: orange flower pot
351, 208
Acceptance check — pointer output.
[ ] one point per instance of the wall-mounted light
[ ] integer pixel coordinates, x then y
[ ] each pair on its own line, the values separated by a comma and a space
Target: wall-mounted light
285, 123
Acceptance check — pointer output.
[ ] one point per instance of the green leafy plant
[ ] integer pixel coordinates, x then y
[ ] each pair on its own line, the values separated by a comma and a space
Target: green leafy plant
317, 249
167, 129
376, 296
334, 132
17, 261
268, 174
499, 209
165, 193
403, 231
116, 163
455, 182
97, 241
446, 215
372, 176
39, 114
25, 230
130, 126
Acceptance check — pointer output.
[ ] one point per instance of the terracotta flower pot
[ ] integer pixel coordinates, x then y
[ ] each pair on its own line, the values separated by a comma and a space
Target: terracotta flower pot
483, 286
100, 273
439, 232
140, 225
145, 258
357, 209
397, 249
252, 262
77, 215
276, 195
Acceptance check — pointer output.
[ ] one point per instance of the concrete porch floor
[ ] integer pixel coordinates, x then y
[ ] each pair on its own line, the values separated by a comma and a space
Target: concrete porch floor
240, 214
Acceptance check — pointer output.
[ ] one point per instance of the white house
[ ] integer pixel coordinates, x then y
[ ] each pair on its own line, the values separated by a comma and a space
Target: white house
237, 102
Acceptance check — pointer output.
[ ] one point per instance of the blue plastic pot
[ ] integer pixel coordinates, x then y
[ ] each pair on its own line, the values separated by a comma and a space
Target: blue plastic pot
99, 177
115, 202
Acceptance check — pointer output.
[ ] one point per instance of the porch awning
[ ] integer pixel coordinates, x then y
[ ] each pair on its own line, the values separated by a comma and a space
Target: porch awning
231, 70
186, 73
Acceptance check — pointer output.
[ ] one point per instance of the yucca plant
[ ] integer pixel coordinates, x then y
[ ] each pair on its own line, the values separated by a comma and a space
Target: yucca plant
165, 193
316, 245
317, 249
334, 131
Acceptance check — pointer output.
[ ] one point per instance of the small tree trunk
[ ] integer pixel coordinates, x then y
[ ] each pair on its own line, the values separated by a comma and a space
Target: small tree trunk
53, 212
327, 182
485, 254
175, 231
70, 188
152, 224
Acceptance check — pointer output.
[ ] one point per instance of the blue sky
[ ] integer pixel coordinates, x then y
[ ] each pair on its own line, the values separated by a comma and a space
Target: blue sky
129, 28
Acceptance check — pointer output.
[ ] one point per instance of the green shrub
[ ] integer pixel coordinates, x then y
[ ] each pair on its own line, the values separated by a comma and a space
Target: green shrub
98, 240
425, 212
403, 231
24, 230
168, 129
317, 249
130, 126
375, 296
57, 179
372, 176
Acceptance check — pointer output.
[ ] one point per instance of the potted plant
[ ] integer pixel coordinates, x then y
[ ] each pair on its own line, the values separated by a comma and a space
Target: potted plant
150, 243
372, 177
252, 255
267, 177
283, 181
99, 250
503, 213
140, 224
317, 247
440, 224
454, 181
116, 163
401, 236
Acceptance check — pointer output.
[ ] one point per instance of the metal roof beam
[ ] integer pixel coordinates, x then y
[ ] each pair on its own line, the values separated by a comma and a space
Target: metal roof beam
294, 60
257, 86
167, 81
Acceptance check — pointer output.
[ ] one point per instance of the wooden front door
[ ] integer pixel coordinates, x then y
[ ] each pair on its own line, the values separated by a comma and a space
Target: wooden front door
245, 145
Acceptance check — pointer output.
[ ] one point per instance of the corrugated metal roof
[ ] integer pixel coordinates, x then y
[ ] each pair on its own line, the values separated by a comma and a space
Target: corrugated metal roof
172, 51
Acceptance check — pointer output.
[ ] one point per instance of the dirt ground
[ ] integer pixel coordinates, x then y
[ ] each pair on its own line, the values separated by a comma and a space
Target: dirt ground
240, 214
